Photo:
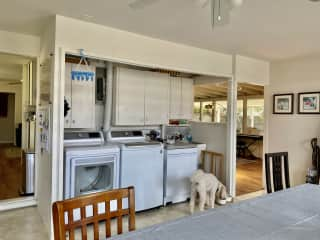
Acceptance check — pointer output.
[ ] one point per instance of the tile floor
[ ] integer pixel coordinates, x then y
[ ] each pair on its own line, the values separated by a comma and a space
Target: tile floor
26, 224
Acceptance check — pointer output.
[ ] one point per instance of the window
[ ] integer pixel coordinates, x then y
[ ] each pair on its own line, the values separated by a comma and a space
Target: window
220, 115
196, 111
240, 116
255, 111
206, 114
210, 111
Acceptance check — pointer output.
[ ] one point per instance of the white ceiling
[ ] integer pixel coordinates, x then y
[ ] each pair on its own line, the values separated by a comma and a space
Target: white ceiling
269, 29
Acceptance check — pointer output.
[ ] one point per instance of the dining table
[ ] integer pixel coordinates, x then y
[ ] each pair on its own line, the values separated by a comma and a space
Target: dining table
290, 214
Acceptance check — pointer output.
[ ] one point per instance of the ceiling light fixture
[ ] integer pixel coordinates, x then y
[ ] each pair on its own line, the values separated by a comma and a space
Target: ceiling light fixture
219, 11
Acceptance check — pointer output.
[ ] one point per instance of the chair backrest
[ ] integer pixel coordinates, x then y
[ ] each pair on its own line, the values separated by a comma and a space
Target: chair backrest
277, 171
64, 210
212, 162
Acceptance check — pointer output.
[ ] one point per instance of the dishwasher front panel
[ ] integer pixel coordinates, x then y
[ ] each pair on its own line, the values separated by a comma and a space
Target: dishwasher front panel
179, 167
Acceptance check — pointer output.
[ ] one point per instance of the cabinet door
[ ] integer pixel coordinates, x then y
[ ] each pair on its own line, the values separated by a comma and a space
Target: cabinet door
156, 98
129, 97
83, 100
187, 98
175, 98
67, 94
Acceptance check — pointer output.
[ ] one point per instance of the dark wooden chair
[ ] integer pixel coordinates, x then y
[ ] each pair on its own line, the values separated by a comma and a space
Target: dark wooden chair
277, 171
65, 209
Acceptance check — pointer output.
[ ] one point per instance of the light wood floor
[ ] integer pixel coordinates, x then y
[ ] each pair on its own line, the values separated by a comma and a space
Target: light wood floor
249, 176
10, 171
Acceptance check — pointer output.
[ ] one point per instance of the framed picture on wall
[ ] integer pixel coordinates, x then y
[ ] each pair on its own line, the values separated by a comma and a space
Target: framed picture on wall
283, 103
309, 103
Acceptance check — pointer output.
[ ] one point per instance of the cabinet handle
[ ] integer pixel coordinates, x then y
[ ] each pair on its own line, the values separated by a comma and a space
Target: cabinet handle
73, 121
67, 121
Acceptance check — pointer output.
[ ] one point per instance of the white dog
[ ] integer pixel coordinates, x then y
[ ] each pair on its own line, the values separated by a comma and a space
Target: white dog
208, 187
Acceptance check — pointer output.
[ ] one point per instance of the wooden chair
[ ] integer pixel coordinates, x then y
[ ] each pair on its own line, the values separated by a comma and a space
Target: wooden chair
277, 171
65, 209
215, 162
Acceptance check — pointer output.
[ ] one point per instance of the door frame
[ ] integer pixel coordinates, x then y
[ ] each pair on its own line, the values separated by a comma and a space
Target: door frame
27, 201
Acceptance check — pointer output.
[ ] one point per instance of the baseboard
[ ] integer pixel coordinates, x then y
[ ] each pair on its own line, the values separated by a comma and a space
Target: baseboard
17, 203
7, 142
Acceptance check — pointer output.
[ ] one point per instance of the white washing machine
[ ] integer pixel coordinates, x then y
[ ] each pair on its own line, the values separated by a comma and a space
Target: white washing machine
90, 166
141, 166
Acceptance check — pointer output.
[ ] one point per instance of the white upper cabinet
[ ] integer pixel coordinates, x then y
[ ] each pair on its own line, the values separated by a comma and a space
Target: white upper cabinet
80, 96
129, 97
156, 98
175, 98
187, 98
144, 98
181, 98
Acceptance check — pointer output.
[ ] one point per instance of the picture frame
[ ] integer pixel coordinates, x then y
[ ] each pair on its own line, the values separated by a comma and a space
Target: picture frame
309, 103
283, 103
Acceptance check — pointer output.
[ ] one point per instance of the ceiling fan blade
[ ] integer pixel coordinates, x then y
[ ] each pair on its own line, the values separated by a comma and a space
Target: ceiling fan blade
202, 3
139, 4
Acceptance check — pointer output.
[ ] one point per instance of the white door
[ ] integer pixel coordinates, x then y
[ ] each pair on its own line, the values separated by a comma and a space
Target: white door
175, 98
156, 98
83, 100
187, 98
129, 97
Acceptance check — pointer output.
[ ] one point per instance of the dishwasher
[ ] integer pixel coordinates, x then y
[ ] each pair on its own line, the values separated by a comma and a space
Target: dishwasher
179, 165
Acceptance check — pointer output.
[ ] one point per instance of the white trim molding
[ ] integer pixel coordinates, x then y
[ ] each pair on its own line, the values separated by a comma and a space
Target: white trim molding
231, 137
17, 203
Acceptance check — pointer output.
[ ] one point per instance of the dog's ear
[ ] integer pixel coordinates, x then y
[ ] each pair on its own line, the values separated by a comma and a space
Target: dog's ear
222, 191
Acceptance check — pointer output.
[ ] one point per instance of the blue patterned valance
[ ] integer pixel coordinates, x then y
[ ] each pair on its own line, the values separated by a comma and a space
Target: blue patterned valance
82, 76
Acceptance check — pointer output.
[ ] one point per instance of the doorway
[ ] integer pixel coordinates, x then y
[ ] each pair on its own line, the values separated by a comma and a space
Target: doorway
250, 124
17, 126
10, 151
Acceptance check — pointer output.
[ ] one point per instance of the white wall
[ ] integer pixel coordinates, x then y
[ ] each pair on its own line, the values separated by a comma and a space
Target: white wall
16, 89
20, 44
293, 133
7, 126
214, 135
250, 70
128, 47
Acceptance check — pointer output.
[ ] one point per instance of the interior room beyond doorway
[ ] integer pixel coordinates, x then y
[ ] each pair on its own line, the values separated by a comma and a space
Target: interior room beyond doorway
17, 124
250, 124
210, 106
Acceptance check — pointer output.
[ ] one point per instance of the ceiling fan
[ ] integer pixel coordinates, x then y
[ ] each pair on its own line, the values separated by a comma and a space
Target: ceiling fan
220, 9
